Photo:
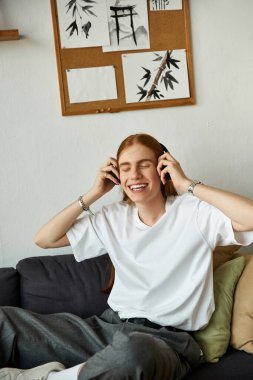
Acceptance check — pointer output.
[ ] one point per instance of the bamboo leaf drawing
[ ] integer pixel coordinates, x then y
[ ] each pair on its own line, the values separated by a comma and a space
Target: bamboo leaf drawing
77, 10
156, 94
70, 4
73, 27
89, 1
86, 27
87, 10
171, 61
74, 11
168, 80
159, 57
147, 76
142, 92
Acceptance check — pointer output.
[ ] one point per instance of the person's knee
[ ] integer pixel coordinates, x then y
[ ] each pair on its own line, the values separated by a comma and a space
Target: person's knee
129, 356
150, 358
140, 352
139, 349
136, 356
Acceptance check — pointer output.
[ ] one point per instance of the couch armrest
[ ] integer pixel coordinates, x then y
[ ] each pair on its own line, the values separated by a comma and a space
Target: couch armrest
9, 287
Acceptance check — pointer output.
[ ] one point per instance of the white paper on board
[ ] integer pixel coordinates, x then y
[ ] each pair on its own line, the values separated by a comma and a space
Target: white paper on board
128, 25
140, 70
91, 84
165, 5
83, 23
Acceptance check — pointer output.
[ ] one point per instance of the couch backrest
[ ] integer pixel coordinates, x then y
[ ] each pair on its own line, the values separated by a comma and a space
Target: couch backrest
52, 284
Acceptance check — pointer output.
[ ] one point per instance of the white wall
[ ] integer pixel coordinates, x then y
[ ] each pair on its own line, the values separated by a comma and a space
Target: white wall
47, 161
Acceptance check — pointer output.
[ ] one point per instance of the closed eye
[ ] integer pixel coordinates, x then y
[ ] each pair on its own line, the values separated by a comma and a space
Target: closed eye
125, 169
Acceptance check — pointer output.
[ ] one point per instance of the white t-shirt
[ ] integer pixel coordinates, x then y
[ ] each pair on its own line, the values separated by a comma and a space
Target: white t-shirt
164, 272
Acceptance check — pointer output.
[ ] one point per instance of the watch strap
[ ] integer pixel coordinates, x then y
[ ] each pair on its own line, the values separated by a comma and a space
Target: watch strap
192, 186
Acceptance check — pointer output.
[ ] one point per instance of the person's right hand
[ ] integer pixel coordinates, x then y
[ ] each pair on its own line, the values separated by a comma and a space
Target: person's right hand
105, 180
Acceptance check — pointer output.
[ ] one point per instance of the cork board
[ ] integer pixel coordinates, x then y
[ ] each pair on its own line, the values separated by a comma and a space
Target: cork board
168, 31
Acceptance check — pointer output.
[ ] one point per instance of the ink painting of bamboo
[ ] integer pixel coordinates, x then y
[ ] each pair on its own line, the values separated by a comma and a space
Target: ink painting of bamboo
83, 23
165, 5
128, 25
155, 76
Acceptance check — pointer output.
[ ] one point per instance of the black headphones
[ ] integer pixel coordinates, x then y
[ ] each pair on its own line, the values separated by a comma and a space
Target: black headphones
167, 176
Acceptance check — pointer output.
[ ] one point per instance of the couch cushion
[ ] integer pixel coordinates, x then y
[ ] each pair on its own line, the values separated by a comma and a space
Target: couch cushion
51, 284
223, 254
9, 287
214, 339
242, 321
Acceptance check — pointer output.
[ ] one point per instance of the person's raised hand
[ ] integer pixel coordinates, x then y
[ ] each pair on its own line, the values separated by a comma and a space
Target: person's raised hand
107, 177
168, 164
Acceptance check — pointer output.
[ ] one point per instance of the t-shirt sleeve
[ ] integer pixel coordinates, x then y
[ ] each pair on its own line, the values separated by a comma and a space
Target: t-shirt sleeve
84, 239
217, 229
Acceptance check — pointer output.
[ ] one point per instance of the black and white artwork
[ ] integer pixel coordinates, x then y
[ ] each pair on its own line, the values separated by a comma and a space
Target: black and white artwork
128, 25
83, 23
165, 5
155, 76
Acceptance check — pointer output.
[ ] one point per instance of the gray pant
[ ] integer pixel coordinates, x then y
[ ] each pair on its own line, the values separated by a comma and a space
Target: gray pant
112, 349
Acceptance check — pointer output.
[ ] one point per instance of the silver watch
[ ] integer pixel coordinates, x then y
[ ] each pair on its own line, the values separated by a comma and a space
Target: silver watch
192, 186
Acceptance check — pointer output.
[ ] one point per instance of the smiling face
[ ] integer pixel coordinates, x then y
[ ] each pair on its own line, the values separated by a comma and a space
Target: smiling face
138, 174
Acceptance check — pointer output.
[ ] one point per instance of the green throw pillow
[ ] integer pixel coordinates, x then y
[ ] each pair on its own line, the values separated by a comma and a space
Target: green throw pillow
214, 338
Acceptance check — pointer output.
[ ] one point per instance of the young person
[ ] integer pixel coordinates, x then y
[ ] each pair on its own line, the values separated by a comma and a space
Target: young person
160, 244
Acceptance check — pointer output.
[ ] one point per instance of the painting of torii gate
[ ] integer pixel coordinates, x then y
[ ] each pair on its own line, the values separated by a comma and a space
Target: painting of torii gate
128, 25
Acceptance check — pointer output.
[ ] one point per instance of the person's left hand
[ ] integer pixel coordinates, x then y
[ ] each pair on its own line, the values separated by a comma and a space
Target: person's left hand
168, 164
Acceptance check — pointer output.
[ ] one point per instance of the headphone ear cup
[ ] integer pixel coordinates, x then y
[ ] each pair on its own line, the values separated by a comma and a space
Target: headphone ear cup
114, 175
167, 175
164, 148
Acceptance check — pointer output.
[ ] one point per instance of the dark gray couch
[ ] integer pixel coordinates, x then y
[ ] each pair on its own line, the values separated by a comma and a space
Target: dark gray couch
50, 284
